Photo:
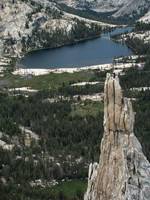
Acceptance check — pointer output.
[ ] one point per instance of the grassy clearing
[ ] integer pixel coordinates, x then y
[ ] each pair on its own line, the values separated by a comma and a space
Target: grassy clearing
87, 107
48, 81
70, 189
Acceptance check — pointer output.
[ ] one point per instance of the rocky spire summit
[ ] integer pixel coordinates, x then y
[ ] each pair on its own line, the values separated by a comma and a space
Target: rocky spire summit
123, 172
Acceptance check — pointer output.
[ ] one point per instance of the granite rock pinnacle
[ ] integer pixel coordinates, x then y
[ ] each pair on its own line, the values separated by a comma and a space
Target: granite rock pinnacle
123, 172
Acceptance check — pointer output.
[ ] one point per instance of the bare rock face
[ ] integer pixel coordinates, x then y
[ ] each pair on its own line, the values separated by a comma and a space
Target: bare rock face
123, 172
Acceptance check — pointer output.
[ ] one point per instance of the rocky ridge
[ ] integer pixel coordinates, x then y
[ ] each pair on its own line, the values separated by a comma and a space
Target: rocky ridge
123, 172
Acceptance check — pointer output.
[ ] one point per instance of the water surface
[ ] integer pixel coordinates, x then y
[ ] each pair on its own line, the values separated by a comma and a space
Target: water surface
92, 52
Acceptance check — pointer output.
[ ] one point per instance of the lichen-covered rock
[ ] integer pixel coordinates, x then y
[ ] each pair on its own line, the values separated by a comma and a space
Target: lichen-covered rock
123, 172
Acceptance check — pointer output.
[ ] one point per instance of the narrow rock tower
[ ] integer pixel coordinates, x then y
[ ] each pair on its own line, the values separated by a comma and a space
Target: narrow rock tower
123, 172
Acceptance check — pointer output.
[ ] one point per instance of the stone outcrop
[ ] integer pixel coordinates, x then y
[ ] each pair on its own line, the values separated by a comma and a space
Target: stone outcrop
123, 172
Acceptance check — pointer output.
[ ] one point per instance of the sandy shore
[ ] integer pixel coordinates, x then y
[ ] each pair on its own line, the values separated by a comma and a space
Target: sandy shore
37, 72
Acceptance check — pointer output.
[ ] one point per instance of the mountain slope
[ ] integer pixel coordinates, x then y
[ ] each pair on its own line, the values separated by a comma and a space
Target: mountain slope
119, 8
35, 24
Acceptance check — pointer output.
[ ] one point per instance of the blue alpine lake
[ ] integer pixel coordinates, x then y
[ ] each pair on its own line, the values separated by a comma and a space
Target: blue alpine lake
91, 52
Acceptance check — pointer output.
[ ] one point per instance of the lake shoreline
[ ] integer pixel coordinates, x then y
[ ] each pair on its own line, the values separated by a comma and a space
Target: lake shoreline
65, 44
101, 50
75, 41
44, 71
19, 65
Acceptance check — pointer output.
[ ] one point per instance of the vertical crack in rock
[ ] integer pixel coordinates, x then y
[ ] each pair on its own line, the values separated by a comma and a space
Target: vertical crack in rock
123, 172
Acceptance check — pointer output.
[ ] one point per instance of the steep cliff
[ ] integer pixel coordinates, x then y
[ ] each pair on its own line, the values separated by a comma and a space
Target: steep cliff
123, 172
